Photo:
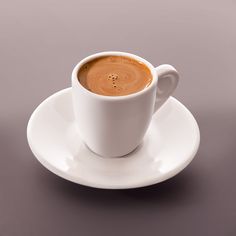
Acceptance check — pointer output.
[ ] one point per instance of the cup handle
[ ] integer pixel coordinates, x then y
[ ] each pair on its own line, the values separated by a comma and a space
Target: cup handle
168, 78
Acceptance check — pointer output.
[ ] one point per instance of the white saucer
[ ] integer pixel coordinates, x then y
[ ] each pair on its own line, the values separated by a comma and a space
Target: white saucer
169, 146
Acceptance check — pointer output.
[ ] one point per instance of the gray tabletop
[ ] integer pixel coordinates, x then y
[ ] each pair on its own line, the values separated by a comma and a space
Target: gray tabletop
41, 41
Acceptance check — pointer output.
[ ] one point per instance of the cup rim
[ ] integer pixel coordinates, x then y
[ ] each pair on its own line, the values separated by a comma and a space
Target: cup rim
115, 53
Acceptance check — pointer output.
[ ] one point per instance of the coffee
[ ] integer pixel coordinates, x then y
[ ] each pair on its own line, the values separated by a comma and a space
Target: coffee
114, 76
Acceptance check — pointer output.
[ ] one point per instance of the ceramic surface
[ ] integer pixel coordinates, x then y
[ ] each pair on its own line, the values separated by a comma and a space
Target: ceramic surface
169, 145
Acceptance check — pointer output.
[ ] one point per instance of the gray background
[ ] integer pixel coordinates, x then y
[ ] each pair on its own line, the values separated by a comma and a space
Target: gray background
41, 41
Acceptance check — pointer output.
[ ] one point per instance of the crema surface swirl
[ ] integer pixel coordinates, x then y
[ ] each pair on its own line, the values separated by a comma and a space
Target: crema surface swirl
114, 76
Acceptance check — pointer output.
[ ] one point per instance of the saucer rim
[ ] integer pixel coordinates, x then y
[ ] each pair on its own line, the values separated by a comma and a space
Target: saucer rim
82, 181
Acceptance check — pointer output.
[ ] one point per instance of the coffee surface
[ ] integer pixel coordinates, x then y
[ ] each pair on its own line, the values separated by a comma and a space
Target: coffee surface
114, 76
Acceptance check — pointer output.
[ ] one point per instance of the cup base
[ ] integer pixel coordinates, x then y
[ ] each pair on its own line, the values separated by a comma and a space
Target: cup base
116, 156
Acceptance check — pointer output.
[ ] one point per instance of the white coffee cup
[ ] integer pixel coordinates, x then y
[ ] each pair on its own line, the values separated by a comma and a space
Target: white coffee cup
114, 126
